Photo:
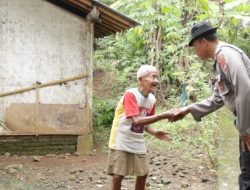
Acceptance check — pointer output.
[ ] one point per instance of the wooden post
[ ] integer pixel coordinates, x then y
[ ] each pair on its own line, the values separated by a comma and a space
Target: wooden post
37, 107
85, 142
90, 37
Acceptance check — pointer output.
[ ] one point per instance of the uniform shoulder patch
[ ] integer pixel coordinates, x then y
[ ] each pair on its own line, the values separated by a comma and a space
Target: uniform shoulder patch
223, 63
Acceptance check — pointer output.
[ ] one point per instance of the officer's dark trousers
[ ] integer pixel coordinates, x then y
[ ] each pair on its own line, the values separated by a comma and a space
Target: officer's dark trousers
244, 177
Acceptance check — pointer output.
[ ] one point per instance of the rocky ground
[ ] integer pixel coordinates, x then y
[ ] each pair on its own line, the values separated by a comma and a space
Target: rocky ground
170, 169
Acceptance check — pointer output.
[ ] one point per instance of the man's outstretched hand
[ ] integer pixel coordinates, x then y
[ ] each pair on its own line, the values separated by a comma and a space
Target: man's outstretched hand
163, 135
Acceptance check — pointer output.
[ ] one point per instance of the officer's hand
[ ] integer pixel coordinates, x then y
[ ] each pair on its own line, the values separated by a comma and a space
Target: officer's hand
177, 114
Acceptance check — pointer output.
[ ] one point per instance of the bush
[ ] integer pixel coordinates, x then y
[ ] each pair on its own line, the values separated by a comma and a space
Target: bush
103, 112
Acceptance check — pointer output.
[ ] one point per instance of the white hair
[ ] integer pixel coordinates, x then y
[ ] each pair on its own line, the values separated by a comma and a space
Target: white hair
145, 70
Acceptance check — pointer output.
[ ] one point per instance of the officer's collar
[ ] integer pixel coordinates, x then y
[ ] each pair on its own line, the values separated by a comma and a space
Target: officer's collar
218, 47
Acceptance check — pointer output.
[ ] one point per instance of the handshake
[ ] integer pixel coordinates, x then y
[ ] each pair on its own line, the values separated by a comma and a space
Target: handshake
175, 114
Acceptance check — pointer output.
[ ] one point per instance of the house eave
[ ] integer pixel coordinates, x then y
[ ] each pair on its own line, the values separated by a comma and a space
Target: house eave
111, 21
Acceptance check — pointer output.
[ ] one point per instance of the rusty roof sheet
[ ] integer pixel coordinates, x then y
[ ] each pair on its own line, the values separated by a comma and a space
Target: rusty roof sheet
111, 21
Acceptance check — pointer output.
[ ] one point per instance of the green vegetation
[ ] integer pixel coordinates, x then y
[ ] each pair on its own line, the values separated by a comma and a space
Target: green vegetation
201, 135
103, 114
161, 40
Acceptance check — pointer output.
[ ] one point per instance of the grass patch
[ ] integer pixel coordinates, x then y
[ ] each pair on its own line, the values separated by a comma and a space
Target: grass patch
188, 134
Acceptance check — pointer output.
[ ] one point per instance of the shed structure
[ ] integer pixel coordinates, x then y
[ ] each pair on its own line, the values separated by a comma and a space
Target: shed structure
46, 63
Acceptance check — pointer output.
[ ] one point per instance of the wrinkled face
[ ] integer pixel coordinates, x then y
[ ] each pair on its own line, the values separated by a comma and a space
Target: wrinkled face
150, 82
201, 48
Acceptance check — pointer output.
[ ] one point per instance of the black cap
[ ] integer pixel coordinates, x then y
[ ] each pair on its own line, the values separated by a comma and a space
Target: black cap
201, 29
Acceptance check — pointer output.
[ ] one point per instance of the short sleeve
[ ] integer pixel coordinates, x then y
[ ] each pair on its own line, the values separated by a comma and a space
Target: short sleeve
152, 111
130, 105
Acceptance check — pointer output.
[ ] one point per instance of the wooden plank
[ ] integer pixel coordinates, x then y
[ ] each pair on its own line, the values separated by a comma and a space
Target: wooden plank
98, 33
114, 16
83, 5
104, 29
110, 26
53, 119
110, 22
86, 2
6, 143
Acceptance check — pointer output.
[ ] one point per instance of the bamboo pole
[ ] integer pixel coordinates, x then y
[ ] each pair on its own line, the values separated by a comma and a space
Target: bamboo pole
21, 90
37, 106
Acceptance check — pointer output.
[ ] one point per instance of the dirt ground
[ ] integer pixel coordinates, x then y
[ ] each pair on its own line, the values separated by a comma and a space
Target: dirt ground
170, 169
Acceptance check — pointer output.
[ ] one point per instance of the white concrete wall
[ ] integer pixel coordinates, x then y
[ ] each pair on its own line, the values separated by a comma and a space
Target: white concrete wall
42, 42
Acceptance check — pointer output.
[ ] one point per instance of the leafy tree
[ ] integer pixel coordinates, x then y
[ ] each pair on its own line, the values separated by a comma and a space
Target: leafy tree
162, 37
161, 40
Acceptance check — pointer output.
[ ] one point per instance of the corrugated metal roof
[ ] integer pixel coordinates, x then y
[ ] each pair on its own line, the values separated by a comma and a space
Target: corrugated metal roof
111, 21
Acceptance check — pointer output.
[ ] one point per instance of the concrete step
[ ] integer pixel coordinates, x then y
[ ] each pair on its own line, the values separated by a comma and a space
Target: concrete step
228, 153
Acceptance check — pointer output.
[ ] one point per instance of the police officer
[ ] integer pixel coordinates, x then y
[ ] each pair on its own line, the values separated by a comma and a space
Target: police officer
232, 88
